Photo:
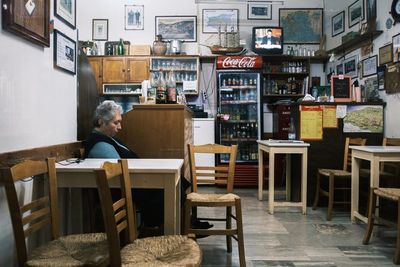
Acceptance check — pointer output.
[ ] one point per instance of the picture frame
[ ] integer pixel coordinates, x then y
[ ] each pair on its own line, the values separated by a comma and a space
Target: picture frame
341, 88
339, 69
371, 9
259, 11
134, 17
182, 28
385, 54
297, 21
65, 10
64, 53
396, 48
356, 12
350, 66
364, 28
338, 22
215, 20
369, 66
19, 16
99, 29
380, 73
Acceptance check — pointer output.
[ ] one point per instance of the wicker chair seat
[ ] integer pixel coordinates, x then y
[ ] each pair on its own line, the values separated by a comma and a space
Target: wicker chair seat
71, 250
389, 193
216, 198
165, 251
340, 173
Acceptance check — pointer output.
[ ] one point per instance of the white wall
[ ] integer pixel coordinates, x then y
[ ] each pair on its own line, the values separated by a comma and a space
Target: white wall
37, 106
392, 122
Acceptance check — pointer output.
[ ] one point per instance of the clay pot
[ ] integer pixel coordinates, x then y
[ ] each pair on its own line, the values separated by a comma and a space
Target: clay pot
159, 47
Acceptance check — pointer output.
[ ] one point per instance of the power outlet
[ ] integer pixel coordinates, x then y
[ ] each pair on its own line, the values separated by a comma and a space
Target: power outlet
204, 95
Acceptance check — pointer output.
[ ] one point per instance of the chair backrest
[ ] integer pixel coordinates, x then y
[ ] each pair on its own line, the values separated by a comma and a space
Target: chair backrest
39, 212
118, 214
347, 151
221, 174
394, 167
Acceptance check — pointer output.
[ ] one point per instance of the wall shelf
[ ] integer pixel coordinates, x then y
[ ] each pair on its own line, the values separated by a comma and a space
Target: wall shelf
355, 43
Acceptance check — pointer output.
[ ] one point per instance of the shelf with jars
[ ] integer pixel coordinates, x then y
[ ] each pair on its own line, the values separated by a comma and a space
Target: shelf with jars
185, 69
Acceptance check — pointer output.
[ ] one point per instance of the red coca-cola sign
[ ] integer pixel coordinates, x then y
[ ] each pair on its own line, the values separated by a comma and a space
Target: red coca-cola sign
239, 62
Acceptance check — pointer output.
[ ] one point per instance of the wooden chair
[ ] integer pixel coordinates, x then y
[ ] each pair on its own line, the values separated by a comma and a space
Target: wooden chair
72, 250
331, 174
392, 194
223, 176
119, 221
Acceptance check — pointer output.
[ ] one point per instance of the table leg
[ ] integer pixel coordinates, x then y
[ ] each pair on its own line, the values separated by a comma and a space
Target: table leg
374, 179
355, 169
288, 177
260, 174
172, 210
304, 157
271, 179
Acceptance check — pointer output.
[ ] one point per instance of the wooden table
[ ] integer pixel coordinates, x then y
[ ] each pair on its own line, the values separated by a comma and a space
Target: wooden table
375, 155
145, 173
273, 147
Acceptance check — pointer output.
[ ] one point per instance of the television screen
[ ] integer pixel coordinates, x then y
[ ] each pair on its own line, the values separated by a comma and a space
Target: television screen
267, 40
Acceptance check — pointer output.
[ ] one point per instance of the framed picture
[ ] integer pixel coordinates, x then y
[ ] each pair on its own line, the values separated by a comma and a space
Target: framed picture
381, 77
356, 12
259, 10
350, 66
100, 29
215, 20
182, 28
65, 10
369, 66
385, 54
28, 19
338, 23
396, 48
64, 52
134, 17
301, 26
371, 9
341, 88
339, 69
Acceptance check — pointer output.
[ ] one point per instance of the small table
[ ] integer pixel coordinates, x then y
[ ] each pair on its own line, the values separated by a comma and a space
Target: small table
375, 155
145, 173
287, 147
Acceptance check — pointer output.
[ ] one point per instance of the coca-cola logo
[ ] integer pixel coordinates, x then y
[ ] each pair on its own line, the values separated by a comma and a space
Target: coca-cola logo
242, 62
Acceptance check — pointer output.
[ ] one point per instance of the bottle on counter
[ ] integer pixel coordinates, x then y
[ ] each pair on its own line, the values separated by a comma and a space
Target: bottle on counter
120, 47
151, 92
171, 88
292, 130
161, 97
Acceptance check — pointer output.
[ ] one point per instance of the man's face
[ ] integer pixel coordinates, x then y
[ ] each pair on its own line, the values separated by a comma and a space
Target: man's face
269, 33
112, 127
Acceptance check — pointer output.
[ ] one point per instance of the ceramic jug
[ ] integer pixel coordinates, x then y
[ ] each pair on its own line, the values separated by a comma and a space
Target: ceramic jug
159, 47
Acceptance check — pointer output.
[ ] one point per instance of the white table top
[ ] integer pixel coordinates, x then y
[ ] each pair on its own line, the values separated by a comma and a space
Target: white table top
377, 149
283, 143
134, 165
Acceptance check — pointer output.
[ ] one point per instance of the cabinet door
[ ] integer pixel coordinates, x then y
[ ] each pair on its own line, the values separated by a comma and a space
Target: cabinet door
114, 70
137, 69
97, 69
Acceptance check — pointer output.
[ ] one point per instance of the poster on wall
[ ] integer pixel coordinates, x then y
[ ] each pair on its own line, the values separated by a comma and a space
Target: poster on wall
365, 118
311, 122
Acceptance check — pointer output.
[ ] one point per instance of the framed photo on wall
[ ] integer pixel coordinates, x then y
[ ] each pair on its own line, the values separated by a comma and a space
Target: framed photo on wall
100, 29
356, 12
301, 26
396, 48
371, 9
179, 28
385, 54
338, 23
64, 52
18, 19
339, 69
350, 66
220, 19
65, 10
134, 17
259, 10
369, 66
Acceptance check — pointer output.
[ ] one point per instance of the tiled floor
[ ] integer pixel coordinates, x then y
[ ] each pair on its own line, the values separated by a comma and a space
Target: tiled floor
289, 238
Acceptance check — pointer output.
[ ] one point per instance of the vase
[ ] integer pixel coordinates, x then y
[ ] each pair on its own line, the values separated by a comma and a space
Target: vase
159, 47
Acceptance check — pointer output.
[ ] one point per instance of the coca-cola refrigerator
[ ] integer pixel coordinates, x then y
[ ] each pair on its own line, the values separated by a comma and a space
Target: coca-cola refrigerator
238, 103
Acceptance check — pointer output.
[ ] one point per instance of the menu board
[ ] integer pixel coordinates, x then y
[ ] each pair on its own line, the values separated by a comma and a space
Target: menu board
311, 122
329, 119
341, 87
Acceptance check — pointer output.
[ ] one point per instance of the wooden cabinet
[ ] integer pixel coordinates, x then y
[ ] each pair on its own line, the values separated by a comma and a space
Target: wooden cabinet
125, 69
159, 131
119, 70
97, 67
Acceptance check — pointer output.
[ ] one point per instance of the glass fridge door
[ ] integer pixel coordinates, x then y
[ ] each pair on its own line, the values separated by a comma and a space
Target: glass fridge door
238, 98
